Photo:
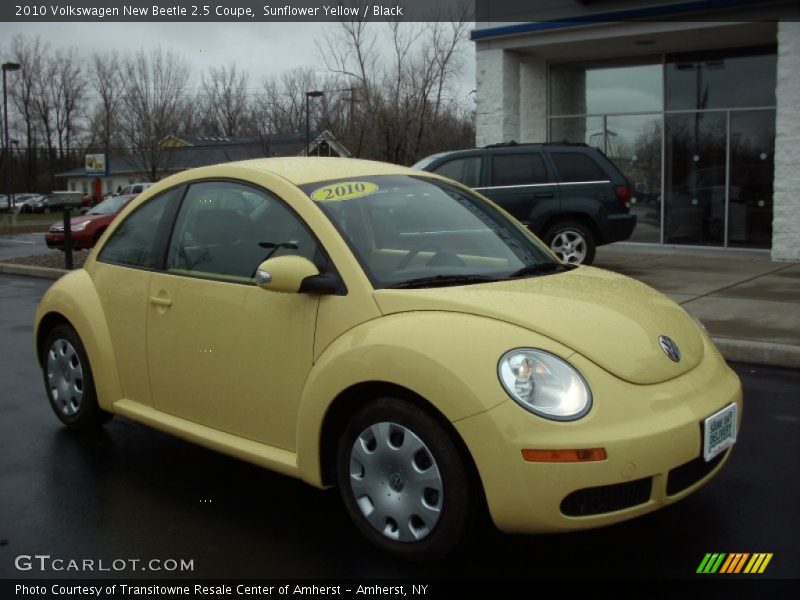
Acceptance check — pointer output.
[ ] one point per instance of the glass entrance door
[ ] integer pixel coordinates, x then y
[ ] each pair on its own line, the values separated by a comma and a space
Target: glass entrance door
752, 161
695, 178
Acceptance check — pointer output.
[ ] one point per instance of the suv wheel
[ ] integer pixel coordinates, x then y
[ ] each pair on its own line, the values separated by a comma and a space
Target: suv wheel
572, 242
404, 482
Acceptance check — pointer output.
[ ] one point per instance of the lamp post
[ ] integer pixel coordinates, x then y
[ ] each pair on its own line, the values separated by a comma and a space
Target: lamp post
8, 66
313, 94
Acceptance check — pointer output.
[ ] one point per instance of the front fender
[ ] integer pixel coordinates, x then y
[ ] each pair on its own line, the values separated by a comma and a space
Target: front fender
447, 358
74, 297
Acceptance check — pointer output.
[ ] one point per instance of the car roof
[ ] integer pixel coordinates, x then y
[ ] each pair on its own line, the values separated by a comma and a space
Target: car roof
302, 170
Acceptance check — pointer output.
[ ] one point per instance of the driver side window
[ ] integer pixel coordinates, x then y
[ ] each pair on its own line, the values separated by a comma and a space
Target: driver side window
225, 230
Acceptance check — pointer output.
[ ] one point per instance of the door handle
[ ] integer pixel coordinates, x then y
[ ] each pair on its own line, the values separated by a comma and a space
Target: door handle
159, 301
543, 195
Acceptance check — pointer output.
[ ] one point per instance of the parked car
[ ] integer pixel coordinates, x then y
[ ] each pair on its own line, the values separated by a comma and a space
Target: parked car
571, 195
393, 333
134, 189
5, 203
86, 229
30, 203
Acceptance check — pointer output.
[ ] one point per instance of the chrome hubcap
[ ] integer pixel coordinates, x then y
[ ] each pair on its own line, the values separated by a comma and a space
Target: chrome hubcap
65, 377
569, 246
396, 482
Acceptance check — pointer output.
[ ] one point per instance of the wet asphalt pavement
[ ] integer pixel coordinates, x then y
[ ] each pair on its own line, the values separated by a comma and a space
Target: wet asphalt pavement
131, 492
22, 244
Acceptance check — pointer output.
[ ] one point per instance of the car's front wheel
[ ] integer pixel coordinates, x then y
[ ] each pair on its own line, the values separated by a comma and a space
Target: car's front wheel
572, 242
404, 482
69, 382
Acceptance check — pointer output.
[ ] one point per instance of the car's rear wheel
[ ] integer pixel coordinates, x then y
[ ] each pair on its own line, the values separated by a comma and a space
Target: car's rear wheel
404, 482
572, 242
69, 382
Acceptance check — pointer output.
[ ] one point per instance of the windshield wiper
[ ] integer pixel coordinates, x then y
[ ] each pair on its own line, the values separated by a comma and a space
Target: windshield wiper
539, 269
442, 280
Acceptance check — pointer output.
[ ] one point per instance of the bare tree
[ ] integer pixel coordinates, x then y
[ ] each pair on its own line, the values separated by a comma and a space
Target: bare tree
67, 90
108, 85
223, 100
29, 52
402, 107
155, 106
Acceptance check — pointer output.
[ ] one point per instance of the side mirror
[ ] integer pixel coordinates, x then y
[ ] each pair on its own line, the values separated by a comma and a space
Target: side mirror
292, 274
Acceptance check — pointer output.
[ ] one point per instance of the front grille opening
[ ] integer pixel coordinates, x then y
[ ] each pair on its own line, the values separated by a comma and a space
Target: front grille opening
686, 475
607, 498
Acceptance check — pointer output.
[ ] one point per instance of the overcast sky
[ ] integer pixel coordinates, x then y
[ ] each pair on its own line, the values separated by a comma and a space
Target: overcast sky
259, 48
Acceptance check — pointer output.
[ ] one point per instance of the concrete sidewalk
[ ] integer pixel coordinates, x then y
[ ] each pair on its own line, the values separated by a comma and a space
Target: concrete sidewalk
749, 304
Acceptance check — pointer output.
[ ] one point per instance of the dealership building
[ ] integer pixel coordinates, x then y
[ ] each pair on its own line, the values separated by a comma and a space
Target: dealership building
697, 102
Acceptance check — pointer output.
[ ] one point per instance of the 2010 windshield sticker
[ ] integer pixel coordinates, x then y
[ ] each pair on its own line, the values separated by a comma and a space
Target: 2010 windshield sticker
344, 190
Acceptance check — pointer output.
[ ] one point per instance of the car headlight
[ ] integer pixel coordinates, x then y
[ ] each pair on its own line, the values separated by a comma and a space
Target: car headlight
79, 226
544, 384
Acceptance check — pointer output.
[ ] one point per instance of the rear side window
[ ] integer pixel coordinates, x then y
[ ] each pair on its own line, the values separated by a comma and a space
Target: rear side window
518, 169
133, 243
464, 170
576, 166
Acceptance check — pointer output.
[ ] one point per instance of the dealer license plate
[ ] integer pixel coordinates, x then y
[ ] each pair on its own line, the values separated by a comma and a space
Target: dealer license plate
719, 432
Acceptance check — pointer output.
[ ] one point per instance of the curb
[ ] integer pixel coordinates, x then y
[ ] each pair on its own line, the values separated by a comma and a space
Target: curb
746, 351
759, 353
32, 271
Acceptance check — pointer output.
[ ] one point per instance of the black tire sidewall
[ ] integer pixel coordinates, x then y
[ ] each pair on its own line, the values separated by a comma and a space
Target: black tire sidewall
585, 232
89, 414
458, 493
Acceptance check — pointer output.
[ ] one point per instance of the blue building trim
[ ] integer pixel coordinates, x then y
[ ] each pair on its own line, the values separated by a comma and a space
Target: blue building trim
650, 12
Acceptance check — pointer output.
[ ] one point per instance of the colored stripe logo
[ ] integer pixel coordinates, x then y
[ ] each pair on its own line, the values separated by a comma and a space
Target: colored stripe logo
734, 563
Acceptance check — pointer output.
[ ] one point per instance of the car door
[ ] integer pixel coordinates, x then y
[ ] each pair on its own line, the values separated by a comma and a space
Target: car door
121, 275
585, 187
521, 183
221, 351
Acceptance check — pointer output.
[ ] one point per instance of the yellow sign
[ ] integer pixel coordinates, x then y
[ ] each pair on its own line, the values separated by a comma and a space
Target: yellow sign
344, 190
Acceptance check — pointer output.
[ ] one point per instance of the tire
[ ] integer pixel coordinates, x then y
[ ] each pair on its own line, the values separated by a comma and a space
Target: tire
573, 242
395, 449
69, 382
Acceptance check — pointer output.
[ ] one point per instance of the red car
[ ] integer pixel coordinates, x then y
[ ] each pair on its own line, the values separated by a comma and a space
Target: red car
87, 229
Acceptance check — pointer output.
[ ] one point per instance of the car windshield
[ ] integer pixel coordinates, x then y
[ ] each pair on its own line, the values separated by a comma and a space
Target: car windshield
109, 207
409, 231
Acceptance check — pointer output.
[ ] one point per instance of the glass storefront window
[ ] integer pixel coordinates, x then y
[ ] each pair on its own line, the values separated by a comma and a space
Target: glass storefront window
695, 178
616, 86
588, 130
633, 143
730, 78
718, 160
751, 180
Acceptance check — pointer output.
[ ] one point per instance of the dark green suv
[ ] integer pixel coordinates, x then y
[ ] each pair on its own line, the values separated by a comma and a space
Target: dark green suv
570, 195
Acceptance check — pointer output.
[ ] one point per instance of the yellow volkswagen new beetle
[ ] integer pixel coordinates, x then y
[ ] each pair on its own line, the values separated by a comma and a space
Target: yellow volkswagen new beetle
393, 333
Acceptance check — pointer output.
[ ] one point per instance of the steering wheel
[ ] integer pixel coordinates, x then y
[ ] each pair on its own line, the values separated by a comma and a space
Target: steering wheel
439, 255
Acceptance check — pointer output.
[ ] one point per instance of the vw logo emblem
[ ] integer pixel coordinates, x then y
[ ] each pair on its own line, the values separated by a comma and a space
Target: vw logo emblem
669, 347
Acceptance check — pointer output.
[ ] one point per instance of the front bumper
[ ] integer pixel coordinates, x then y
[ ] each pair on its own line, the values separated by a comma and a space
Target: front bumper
652, 435
56, 240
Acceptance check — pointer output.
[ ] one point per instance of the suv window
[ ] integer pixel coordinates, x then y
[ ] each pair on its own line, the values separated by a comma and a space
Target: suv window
464, 170
133, 242
576, 166
518, 169
225, 230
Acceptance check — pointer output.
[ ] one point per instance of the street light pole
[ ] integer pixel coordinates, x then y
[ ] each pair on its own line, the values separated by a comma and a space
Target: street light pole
9, 66
312, 94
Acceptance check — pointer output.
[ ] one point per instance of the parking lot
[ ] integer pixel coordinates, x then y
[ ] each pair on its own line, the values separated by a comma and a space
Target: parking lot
131, 492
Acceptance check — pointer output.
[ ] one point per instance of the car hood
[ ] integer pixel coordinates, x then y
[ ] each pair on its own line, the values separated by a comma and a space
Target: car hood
83, 218
612, 320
